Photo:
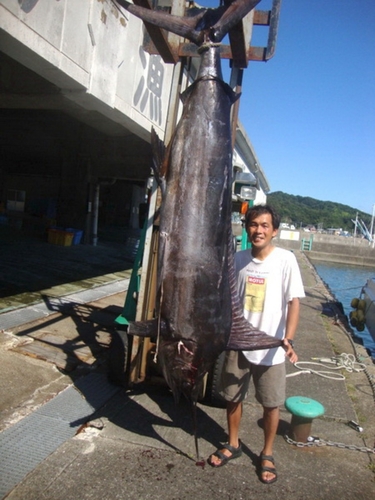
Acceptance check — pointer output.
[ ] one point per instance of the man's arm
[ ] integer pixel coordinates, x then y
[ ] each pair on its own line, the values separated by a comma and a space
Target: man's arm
292, 319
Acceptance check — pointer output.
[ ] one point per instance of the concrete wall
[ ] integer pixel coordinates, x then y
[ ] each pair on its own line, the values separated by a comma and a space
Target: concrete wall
365, 259
93, 53
329, 248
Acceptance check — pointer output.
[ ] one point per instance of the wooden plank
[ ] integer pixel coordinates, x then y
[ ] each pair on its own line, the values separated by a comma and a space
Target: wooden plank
159, 37
63, 353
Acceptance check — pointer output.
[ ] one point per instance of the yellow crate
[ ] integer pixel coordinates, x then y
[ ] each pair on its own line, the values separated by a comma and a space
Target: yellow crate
59, 237
52, 236
65, 239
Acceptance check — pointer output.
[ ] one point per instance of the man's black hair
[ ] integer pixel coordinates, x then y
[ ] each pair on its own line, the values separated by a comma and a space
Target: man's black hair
257, 210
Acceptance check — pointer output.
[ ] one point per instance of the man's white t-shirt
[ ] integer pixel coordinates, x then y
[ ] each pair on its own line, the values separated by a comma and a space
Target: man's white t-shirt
265, 288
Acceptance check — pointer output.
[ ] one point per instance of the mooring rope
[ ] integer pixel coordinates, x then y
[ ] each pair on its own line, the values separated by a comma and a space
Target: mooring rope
159, 327
344, 361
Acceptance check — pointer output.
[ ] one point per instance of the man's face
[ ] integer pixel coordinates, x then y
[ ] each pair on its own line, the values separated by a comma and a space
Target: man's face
260, 231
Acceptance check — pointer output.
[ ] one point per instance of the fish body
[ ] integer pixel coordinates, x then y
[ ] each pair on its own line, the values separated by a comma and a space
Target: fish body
195, 296
199, 314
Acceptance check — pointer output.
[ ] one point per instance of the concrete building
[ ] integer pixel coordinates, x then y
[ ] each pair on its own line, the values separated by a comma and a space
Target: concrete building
79, 96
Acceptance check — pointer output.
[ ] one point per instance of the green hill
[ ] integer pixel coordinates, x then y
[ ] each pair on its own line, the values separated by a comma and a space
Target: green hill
303, 211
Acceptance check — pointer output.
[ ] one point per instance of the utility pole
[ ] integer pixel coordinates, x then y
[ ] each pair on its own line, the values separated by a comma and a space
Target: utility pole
372, 226
355, 226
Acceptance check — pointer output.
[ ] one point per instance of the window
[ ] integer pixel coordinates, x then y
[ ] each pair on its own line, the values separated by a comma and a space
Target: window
16, 200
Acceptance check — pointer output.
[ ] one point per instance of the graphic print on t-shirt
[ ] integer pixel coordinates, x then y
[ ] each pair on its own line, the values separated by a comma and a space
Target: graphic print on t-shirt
255, 293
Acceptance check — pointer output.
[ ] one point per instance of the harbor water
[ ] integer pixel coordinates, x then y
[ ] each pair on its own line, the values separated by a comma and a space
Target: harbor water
345, 283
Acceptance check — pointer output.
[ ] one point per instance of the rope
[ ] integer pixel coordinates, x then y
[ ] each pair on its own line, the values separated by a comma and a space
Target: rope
348, 332
344, 361
366, 371
345, 289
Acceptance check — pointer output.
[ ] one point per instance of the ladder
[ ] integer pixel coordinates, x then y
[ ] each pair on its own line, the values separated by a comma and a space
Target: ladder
306, 244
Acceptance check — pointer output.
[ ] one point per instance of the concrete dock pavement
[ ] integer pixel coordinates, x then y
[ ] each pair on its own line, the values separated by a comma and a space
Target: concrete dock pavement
103, 442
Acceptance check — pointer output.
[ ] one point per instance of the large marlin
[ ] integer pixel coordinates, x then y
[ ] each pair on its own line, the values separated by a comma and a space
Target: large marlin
199, 314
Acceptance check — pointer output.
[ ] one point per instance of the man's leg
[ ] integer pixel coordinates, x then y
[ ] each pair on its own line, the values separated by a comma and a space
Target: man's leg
271, 418
234, 385
234, 414
270, 384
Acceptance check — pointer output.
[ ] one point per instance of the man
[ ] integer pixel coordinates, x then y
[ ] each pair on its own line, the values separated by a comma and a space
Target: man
269, 284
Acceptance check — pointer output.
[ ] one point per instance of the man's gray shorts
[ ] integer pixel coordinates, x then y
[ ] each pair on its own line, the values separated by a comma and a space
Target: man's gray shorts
269, 381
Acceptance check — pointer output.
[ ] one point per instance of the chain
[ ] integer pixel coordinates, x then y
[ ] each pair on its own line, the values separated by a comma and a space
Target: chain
315, 441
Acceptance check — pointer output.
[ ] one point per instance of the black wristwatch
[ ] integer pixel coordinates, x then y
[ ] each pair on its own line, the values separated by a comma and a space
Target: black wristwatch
291, 343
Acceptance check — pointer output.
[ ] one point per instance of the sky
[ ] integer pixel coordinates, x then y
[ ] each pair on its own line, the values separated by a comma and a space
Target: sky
310, 110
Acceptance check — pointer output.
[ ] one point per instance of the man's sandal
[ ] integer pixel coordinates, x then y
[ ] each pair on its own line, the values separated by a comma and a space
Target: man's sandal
224, 459
265, 468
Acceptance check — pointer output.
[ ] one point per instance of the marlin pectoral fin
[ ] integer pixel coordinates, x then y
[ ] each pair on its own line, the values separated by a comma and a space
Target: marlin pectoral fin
148, 328
243, 336
251, 339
